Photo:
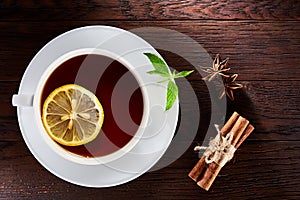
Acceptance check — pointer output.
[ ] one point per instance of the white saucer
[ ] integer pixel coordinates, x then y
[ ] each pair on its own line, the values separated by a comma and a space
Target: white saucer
158, 134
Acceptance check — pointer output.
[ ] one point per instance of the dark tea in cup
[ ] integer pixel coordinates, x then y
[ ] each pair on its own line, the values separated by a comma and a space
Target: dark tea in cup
118, 91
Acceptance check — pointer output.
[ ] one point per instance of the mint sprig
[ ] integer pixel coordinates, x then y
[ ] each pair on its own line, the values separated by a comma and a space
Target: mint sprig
161, 69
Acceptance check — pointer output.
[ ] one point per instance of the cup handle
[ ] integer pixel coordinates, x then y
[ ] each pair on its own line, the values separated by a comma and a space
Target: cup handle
22, 100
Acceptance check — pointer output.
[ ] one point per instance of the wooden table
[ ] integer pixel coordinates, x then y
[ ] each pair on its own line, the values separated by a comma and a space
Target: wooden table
262, 39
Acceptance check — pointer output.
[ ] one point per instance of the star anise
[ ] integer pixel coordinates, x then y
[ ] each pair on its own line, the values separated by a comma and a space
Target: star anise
229, 86
219, 68
226, 84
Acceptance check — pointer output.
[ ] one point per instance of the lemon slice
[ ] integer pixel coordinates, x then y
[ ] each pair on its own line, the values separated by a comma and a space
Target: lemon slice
72, 115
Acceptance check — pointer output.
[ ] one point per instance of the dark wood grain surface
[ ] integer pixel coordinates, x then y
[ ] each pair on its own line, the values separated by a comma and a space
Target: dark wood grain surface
262, 39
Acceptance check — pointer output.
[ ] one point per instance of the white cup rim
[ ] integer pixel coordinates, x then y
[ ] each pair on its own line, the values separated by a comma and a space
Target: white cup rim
72, 156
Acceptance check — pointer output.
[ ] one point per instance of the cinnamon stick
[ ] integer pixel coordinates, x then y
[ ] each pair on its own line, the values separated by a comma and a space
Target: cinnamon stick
230, 123
198, 169
246, 133
238, 129
209, 176
241, 129
213, 170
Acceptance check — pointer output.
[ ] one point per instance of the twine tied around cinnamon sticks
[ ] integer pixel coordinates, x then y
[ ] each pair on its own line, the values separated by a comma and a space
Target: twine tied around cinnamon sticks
219, 150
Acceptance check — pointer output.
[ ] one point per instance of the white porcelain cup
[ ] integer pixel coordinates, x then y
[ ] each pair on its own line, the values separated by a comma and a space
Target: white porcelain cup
34, 101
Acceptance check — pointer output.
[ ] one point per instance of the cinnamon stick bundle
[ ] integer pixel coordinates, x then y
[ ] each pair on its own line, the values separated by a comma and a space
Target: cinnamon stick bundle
205, 174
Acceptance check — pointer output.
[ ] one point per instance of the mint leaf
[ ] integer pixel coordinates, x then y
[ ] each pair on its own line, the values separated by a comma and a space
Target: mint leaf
183, 74
158, 64
162, 69
172, 93
159, 73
